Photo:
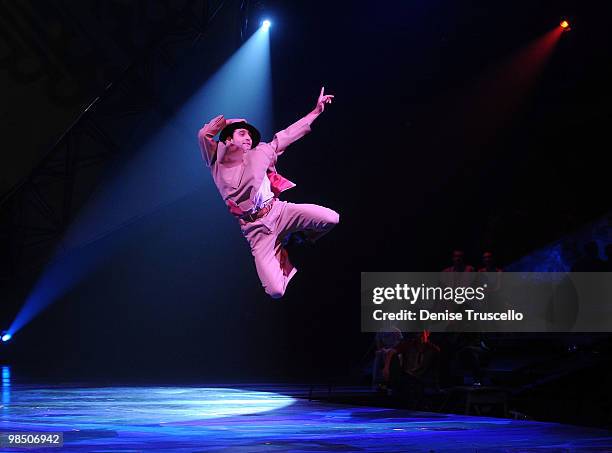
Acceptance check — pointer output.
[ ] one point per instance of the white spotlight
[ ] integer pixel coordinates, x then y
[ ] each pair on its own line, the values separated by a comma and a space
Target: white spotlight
266, 24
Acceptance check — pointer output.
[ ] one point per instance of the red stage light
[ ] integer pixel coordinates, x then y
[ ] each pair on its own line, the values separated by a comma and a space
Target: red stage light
565, 25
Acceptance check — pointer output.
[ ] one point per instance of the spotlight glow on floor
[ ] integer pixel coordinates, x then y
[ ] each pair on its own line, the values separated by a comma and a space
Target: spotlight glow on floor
79, 408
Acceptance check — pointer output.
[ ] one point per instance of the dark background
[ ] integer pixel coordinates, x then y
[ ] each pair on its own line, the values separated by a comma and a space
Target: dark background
401, 155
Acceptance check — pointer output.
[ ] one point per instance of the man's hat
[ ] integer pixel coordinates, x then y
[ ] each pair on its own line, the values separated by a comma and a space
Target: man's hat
228, 131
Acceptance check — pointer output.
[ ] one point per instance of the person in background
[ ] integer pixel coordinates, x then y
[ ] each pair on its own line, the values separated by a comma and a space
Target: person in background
385, 342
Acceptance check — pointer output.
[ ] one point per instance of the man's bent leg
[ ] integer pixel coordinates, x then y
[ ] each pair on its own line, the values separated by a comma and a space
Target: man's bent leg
316, 220
271, 261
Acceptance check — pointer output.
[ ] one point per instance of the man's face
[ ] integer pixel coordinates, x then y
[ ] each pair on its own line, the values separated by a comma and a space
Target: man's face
487, 258
242, 139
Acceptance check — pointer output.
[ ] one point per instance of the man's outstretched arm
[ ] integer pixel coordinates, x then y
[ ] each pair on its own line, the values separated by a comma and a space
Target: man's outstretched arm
301, 127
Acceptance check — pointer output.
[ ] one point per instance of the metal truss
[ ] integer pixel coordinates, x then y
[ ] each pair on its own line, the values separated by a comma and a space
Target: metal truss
35, 214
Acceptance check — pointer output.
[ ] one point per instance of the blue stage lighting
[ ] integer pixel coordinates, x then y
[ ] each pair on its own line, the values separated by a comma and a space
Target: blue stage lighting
245, 81
6, 337
266, 24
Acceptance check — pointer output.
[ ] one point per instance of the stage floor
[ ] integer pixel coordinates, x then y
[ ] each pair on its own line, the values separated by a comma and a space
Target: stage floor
262, 418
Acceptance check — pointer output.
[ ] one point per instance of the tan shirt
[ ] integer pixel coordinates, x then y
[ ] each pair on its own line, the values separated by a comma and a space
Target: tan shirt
238, 174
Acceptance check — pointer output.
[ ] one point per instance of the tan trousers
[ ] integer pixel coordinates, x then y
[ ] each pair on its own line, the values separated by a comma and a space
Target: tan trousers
265, 237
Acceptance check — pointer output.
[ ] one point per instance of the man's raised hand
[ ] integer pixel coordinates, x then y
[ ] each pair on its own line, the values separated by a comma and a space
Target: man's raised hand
218, 122
323, 99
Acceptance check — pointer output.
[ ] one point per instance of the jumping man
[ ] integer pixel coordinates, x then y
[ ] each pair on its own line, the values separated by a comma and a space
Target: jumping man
244, 171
